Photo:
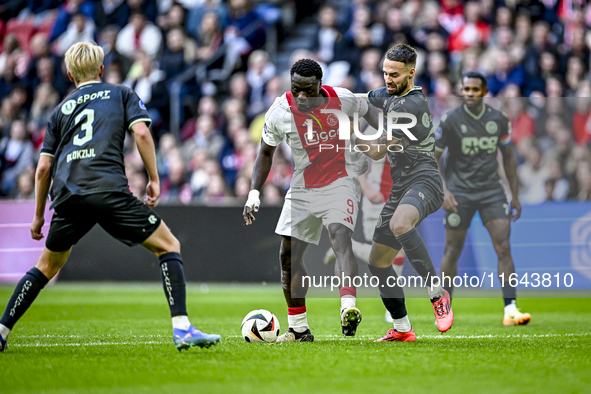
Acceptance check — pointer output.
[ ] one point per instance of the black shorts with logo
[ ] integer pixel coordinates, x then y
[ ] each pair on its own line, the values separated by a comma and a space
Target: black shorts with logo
491, 205
425, 194
120, 214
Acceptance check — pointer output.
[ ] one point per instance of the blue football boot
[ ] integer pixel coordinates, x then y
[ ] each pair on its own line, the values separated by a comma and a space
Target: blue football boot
184, 339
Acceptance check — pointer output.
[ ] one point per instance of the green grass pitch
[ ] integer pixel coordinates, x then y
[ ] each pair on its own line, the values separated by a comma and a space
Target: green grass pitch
117, 339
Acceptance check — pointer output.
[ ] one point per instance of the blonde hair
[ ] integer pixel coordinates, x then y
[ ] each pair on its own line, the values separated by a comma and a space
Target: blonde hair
84, 60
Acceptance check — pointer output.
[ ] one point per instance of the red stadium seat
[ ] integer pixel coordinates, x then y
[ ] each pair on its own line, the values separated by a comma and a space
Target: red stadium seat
23, 29
46, 25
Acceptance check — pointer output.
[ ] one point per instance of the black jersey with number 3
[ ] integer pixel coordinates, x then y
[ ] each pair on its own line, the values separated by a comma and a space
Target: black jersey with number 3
85, 136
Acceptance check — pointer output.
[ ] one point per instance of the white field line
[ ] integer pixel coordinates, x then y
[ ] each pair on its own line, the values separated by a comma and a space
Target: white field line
328, 337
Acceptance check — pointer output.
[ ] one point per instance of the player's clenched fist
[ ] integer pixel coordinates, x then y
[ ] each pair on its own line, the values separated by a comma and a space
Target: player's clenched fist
253, 203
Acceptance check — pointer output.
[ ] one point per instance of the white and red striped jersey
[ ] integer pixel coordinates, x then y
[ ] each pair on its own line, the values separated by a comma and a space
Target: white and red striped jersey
316, 163
379, 178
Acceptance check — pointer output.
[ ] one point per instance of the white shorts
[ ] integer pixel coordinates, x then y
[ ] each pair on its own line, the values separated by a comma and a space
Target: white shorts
371, 214
306, 210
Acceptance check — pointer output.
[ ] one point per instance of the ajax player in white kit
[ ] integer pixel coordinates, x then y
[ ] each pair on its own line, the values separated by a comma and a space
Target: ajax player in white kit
375, 188
324, 189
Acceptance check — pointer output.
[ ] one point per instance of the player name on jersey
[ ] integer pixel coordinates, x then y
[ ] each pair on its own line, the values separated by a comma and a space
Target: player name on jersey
80, 154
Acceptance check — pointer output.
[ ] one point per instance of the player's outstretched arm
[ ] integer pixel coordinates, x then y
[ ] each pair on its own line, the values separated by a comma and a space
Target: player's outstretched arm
449, 200
145, 145
510, 165
260, 172
42, 183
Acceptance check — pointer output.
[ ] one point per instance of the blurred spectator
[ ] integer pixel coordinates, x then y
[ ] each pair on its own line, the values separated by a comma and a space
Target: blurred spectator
107, 39
506, 73
174, 186
522, 124
533, 175
582, 115
112, 12
80, 29
209, 37
583, 177
196, 14
216, 190
139, 34
67, 12
473, 32
138, 181
179, 53
203, 134
13, 57
149, 84
244, 23
174, 17
260, 71
556, 186
16, 155
25, 185
44, 103
329, 40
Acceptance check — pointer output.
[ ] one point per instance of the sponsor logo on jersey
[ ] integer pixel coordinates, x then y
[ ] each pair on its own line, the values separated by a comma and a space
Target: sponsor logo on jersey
152, 219
142, 106
473, 145
491, 127
103, 95
421, 195
315, 137
69, 107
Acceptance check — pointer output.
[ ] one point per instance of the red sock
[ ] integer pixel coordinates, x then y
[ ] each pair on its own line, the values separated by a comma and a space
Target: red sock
346, 290
296, 310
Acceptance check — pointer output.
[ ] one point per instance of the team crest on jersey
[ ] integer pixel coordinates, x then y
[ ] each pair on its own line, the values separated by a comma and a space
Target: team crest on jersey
426, 120
491, 127
332, 120
68, 107
142, 105
463, 128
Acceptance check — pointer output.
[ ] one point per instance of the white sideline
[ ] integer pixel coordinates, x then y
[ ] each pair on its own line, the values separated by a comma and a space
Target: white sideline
364, 337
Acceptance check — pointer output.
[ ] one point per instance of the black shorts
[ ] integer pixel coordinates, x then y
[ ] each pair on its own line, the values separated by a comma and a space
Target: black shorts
491, 206
120, 214
425, 194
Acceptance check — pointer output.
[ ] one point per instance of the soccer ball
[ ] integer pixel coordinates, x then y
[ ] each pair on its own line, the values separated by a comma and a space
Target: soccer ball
260, 326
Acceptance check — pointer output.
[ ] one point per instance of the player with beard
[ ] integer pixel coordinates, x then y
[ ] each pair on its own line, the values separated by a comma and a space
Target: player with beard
472, 133
324, 189
417, 190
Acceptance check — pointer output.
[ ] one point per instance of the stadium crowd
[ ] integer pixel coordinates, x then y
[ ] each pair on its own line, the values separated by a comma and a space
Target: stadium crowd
535, 54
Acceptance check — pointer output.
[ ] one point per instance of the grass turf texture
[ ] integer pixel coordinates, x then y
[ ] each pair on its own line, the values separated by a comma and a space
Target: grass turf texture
118, 339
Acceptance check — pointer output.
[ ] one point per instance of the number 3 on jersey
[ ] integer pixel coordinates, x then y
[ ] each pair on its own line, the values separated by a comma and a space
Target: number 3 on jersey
86, 127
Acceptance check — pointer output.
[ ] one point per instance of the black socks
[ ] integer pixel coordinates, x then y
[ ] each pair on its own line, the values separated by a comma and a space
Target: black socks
173, 281
24, 294
392, 296
417, 254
